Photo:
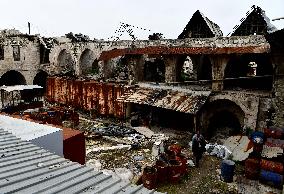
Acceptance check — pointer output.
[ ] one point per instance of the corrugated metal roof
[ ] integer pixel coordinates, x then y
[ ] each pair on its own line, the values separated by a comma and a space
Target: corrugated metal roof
26, 168
182, 102
187, 102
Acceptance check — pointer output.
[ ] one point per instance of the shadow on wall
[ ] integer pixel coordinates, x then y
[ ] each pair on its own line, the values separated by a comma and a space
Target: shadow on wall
221, 116
11, 78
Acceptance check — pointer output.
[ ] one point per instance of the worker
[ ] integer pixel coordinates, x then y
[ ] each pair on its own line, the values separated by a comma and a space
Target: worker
198, 147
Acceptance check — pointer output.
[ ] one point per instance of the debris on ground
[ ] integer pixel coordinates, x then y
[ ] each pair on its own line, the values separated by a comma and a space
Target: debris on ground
239, 146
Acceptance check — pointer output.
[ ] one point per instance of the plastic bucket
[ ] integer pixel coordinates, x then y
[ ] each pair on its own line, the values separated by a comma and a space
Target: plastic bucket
227, 170
257, 134
162, 171
51, 113
175, 148
271, 178
174, 171
149, 177
252, 168
183, 161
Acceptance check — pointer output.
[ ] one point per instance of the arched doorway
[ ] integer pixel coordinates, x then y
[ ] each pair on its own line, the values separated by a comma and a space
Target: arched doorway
65, 63
226, 121
238, 72
204, 71
222, 117
41, 79
154, 70
185, 69
86, 61
11, 78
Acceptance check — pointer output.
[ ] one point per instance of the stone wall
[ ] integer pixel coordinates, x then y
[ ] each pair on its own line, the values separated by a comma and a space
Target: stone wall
248, 102
29, 58
278, 102
278, 89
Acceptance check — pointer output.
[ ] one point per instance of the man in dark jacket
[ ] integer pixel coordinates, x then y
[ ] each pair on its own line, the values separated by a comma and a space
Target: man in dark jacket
198, 147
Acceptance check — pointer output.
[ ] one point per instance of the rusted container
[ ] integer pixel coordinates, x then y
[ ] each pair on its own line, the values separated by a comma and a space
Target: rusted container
88, 95
74, 145
271, 178
170, 155
149, 177
162, 171
271, 166
274, 132
227, 170
174, 171
275, 143
252, 168
183, 161
175, 148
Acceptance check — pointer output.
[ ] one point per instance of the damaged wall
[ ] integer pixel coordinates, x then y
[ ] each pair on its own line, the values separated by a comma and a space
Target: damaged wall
27, 62
248, 102
279, 90
88, 95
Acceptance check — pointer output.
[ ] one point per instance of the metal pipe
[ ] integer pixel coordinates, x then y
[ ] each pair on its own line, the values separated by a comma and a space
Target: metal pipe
278, 18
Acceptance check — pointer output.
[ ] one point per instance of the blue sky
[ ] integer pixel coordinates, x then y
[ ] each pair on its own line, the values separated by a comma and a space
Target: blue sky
100, 19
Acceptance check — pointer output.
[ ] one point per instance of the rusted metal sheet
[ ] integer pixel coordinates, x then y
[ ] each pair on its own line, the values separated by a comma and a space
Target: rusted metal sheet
88, 95
182, 102
74, 145
165, 50
187, 102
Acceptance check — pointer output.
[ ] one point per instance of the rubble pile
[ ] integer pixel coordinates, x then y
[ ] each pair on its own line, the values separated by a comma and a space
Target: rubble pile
55, 115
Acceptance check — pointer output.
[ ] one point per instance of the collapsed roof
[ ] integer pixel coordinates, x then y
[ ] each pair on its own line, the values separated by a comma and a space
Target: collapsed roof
256, 23
200, 26
186, 101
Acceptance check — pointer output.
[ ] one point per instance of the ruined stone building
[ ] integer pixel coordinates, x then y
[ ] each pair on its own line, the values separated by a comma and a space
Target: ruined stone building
202, 79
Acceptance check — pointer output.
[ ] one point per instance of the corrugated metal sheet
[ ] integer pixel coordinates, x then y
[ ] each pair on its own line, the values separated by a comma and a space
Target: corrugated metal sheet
87, 95
187, 102
166, 50
182, 102
26, 168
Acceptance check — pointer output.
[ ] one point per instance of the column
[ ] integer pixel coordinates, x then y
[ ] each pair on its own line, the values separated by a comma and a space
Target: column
219, 63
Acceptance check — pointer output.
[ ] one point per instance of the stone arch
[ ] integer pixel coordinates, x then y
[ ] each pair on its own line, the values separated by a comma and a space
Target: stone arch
41, 79
12, 77
238, 67
154, 69
204, 71
87, 60
65, 62
185, 69
222, 115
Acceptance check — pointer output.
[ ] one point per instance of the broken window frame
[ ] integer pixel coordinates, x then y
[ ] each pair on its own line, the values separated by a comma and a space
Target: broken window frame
44, 55
16, 52
2, 52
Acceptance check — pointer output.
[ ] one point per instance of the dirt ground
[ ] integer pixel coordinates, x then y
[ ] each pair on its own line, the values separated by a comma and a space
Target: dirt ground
205, 179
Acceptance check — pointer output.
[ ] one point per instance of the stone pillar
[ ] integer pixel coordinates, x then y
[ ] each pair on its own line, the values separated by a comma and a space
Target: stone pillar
135, 64
219, 63
278, 89
76, 60
103, 68
196, 62
170, 68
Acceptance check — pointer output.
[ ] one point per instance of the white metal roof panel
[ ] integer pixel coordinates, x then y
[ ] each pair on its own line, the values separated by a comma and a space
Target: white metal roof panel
25, 130
20, 87
26, 168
